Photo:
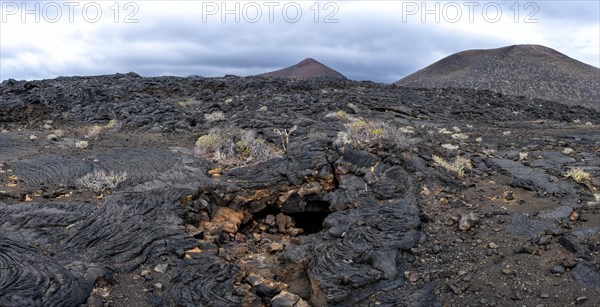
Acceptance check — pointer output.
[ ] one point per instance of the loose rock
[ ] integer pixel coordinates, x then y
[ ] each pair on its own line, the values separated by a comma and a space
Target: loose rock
468, 221
161, 268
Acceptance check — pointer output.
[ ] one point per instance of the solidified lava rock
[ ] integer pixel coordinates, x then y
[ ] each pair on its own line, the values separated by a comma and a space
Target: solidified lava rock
329, 220
31, 278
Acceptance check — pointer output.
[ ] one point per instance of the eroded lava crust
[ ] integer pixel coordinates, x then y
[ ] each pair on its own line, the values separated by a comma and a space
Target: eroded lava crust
128, 191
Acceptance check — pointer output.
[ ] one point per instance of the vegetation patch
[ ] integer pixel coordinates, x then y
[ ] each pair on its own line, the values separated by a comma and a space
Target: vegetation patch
235, 147
112, 123
578, 174
361, 133
82, 144
93, 132
214, 116
457, 167
99, 181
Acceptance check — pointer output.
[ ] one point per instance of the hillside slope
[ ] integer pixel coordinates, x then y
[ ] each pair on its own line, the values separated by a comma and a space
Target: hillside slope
307, 68
527, 70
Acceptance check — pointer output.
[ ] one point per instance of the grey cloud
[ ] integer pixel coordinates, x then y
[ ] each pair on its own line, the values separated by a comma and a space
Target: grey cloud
360, 47
578, 11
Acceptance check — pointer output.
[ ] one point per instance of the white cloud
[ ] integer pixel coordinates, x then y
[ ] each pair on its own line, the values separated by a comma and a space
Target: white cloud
376, 40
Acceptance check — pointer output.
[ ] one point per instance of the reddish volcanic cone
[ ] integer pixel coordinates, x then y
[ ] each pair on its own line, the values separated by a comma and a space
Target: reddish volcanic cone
308, 68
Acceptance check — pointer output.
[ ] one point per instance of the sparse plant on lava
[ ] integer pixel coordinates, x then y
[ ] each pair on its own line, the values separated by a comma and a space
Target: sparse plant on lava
234, 147
578, 174
456, 167
99, 181
285, 136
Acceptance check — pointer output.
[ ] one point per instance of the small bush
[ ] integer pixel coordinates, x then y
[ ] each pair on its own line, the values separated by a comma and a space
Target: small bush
597, 197
578, 174
450, 146
234, 147
353, 107
214, 116
214, 142
59, 133
460, 136
185, 103
285, 136
112, 123
361, 132
364, 132
523, 155
343, 138
488, 152
407, 129
82, 144
342, 115
93, 132
99, 181
339, 115
456, 167
256, 149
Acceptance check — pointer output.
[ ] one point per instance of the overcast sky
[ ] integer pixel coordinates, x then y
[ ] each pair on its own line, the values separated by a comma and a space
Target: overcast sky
364, 40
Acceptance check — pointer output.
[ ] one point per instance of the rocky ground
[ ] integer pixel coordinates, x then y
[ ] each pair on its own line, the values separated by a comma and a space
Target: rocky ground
379, 195
527, 70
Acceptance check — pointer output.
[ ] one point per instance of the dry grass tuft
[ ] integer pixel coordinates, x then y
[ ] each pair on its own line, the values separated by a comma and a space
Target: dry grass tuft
363, 132
450, 146
456, 167
523, 155
82, 144
460, 136
99, 181
578, 174
93, 132
59, 133
234, 147
112, 123
214, 116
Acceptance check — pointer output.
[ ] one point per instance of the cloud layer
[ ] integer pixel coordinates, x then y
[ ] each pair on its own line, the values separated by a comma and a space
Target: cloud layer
365, 40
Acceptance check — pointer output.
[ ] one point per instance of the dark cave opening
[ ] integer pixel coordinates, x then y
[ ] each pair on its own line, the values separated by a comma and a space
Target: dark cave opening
315, 212
262, 214
310, 220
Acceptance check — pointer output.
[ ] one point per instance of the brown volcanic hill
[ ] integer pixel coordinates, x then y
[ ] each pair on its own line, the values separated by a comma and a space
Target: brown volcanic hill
308, 68
525, 70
